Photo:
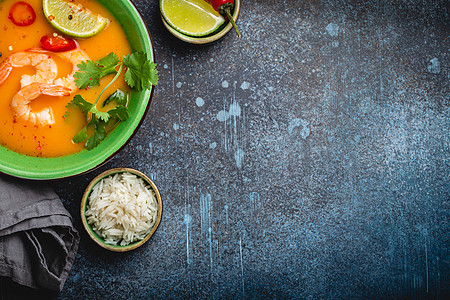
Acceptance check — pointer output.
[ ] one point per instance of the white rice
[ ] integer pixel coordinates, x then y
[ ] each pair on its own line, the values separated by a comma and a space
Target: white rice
122, 209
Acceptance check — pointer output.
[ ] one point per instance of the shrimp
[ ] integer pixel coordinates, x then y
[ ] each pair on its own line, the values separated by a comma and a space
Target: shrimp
21, 102
74, 57
46, 68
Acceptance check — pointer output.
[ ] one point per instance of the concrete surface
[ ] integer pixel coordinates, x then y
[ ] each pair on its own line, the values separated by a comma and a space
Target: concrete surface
308, 159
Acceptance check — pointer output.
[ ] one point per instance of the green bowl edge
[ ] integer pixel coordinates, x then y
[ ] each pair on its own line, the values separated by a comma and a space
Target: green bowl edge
29, 167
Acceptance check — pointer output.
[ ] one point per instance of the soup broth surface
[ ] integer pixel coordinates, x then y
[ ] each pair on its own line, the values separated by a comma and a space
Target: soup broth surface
56, 139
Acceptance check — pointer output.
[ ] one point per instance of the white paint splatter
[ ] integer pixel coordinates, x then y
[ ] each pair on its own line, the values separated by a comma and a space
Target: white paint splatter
210, 250
305, 131
239, 157
179, 84
222, 116
199, 101
166, 66
187, 219
254, 202
435, 66
235, 109
205, 213
333, 29
213, 145
226, 214
242, 266
225, 84
245, 85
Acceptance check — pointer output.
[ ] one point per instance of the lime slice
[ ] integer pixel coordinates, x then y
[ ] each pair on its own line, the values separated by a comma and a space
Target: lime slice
73, 19
191, 17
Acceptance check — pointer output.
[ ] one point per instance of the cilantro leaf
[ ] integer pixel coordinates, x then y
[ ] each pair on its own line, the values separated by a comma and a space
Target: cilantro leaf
101, 115
99, 134
78, 101
109, 61
120, 112
118, 96
141, 72
90, 72
80, 136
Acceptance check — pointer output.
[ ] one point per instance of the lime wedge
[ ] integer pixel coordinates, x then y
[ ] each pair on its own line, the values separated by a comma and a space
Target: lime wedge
191, 17
73, 19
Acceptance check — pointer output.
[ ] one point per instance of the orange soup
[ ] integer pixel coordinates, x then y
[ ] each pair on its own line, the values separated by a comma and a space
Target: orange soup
55, 139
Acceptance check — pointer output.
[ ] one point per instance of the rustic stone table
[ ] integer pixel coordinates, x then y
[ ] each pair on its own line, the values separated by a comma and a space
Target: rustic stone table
308, 159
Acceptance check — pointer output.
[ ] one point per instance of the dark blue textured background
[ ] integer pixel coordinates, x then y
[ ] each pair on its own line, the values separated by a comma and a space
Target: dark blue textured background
308, 159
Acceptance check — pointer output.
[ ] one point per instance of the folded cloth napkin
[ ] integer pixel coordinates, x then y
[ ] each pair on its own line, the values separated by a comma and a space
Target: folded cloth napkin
38, 242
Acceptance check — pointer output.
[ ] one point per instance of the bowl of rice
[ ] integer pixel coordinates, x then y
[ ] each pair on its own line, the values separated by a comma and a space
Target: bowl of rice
121, 209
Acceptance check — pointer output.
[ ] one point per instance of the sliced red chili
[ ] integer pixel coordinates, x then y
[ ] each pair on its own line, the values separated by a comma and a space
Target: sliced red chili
22, 14
57, 43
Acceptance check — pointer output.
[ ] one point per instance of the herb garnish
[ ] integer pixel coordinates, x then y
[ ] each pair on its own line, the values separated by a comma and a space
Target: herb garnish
140, 74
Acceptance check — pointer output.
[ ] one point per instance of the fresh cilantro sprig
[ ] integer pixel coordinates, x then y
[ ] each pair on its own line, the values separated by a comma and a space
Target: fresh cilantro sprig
140, 74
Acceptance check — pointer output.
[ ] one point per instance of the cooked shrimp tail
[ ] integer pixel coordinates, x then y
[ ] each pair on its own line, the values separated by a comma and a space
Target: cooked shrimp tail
21, 102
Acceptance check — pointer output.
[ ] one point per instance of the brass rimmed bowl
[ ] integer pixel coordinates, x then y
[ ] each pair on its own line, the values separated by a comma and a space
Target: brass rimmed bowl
216, 35
85, 201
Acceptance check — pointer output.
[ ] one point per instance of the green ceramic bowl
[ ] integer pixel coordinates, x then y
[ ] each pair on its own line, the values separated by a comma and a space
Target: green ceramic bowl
84, 202
216, 35
22, 166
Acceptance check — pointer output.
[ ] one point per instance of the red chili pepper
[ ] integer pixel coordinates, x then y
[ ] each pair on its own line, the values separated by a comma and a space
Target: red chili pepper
57, 43
22, 14
225, 7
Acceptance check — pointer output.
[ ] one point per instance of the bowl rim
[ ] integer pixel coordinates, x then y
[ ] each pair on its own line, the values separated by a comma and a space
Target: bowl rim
206, 39
84, 201
40, 168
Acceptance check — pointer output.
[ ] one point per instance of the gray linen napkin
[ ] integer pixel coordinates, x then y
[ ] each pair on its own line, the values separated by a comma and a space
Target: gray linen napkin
38, 242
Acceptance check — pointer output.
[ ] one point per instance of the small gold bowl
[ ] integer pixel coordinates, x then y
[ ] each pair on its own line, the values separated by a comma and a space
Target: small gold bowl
218, 34
84, 203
